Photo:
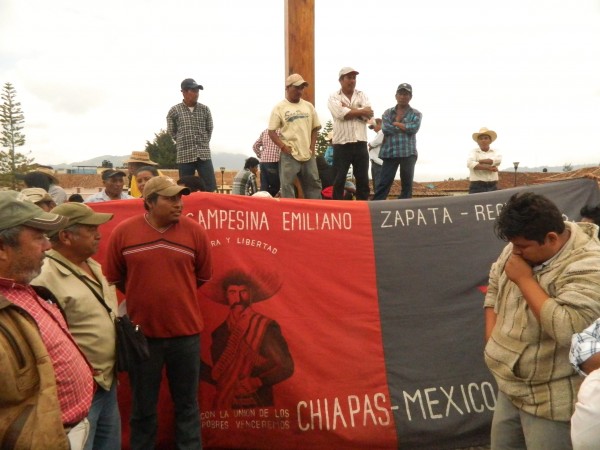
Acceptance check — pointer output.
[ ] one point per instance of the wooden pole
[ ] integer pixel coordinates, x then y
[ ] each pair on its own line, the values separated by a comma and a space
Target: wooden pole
300, 43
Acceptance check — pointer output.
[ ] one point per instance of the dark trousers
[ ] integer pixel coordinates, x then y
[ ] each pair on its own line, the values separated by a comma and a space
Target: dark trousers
388, 172
355, 154
476, 187
181, 356
269, 177
205, 170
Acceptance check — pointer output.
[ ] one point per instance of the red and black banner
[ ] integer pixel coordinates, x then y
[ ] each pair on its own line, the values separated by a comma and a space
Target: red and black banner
365, 328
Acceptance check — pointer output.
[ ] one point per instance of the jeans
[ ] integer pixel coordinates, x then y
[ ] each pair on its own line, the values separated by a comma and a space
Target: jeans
269, 177
375, 174
513, 429
388, 171
181, 356
477, 187
105, 420
306, 171
355, 154
205, 171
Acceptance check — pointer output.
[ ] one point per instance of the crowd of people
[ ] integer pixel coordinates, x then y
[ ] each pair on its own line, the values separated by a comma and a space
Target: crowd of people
58, 306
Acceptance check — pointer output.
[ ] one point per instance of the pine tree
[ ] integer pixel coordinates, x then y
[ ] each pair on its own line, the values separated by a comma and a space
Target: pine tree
322, 138
162, 150
11, 118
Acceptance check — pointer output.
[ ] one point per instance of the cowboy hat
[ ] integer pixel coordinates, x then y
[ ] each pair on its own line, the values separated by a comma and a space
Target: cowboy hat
484, 130
262, 285
141, 158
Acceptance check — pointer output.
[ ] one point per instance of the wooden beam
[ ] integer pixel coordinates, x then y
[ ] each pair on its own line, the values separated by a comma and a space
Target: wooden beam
300, 42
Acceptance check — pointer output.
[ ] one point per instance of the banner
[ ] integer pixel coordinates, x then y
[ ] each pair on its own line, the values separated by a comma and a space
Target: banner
366, 326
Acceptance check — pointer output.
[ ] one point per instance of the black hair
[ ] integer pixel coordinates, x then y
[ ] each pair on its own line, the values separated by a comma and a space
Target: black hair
153, 170
251, 162
530, 216
37, 180
193, 182
593, 213
75, 198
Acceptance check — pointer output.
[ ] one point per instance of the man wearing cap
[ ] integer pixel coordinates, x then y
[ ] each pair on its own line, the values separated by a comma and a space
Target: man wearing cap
113, 181
400, 125
351, 110
483, 163
36, 348
158, 260
298, 123
77, 282
136, 161
40, 197
269, 154
190, 125
374, 147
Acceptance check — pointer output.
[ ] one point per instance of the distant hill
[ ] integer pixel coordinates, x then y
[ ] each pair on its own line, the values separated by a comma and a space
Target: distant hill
231, 161
548, 168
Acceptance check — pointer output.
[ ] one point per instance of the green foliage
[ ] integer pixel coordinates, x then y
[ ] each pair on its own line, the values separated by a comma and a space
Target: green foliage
322, 138
162, 150
11, 118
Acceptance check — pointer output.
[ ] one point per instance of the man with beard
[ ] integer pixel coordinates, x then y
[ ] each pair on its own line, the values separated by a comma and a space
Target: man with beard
544, 287
158, 260
46, 385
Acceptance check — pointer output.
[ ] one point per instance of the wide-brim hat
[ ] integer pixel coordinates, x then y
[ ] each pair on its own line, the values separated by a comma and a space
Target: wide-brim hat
141, 158
490, 133
262, 284
50, 173
16, 210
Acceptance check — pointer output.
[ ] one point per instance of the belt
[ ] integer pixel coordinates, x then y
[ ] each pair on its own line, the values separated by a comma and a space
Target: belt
485, 183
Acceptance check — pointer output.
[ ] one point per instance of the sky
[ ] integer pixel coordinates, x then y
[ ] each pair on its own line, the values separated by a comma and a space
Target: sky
98, 78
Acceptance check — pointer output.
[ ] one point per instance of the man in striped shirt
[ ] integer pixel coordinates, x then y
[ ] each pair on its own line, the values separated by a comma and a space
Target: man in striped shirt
351, 110
399, 148
190, 125
267, 151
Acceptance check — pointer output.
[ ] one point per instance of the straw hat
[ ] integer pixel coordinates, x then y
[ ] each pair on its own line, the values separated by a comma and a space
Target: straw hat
51, 173
141, 158
484, 130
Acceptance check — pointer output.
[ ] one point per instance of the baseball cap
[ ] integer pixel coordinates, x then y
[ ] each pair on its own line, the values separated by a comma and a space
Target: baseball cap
108, 173
404, 86
295, 80
16, 210
163, 186
346, 71
190, 83
35, 195
80, 214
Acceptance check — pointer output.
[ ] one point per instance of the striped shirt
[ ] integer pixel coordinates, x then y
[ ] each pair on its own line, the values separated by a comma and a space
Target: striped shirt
266, 150
74, 382
191, 131
584, 345
351, 130
396, 142
244, 183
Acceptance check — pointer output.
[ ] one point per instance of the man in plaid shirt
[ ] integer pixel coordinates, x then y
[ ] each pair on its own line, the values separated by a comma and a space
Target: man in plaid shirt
190, 125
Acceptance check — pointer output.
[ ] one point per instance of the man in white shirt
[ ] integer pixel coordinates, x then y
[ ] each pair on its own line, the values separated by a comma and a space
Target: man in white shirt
351, 110
483, 163
374, 147
113, 181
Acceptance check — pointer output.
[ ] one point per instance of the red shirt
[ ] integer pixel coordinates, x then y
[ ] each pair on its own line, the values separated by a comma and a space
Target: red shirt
74, 381
160, 270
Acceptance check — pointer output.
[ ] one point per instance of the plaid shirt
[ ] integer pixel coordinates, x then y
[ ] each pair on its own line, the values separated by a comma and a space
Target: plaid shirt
74, 382
244, 183
584, 345
398, 143
191, 131
270, 152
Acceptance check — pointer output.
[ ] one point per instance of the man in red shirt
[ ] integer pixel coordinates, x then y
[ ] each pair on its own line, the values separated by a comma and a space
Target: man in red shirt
158, 260
36, 348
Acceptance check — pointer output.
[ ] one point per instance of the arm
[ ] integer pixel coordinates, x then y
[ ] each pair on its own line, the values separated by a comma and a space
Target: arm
490, 322
481, 164
585, 349
256, 148
411, 122
209, 123
343, 112
172, 123
279, 143
313, 139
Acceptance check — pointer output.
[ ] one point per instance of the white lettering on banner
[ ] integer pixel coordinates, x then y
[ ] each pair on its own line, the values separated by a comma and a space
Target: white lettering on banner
415, 217
437, 403
350, 412
487, 211
232, 219
256, 243
299, 221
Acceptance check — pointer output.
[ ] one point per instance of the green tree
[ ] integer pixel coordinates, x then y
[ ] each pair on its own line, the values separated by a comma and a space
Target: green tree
322, 138
162, 150
11, 118
567, 167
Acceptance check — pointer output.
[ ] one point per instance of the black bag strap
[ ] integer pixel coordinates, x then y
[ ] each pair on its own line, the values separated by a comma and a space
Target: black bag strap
85, 281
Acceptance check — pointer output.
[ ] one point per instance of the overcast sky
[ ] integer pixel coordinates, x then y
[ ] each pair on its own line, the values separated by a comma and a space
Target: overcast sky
97, 78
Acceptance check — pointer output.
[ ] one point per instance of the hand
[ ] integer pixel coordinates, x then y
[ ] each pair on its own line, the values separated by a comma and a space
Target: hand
367, 112
286, 149
517, 269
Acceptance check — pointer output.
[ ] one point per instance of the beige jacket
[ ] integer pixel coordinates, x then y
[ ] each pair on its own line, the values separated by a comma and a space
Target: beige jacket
530, 359
91, 326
